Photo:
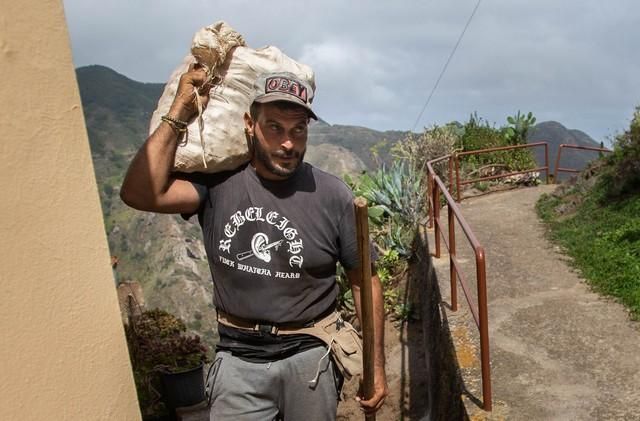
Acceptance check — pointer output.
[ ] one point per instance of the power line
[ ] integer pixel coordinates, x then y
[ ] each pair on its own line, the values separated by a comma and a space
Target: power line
444, 69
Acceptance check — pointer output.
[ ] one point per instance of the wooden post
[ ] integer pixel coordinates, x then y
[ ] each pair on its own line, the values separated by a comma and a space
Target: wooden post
366, 299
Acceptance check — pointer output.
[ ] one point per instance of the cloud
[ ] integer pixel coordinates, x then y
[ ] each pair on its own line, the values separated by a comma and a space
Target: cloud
573, 61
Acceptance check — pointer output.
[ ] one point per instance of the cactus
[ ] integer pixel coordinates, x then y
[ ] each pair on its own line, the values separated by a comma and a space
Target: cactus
516, 133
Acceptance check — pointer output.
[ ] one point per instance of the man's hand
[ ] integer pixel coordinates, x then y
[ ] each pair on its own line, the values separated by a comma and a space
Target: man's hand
184, 106
380, 392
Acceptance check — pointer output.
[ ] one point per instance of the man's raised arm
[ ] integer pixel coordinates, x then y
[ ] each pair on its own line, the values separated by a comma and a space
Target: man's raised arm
149, 185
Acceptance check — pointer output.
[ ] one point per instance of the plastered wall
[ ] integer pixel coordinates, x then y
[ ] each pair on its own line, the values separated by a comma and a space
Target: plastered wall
62, 350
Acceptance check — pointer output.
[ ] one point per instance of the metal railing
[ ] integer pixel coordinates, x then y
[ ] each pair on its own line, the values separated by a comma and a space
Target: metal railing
457, 156
436, 188
572, 170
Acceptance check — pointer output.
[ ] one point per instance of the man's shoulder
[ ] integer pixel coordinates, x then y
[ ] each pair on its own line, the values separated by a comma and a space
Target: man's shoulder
210, 179
328, 180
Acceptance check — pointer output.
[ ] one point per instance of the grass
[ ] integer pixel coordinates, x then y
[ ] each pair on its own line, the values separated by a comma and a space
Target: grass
604, 242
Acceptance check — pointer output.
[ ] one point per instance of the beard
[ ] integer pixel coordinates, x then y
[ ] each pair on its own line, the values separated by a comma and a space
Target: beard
267, 158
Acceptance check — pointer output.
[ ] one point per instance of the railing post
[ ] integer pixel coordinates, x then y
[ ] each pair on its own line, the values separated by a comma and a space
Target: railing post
436, 217
453, 275
546, 159
457, 164
483, 316
429, 199
451, 173
555, 172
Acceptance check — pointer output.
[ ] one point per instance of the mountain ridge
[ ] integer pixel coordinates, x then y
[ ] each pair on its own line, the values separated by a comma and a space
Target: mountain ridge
555, 134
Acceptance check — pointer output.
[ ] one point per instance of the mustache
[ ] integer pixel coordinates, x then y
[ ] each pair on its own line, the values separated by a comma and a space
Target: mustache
285, 154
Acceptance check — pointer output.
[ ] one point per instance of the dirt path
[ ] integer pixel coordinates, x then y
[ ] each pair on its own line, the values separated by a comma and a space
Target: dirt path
558, 350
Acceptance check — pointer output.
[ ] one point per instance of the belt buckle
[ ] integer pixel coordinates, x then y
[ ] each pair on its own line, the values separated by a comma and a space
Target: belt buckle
272, 329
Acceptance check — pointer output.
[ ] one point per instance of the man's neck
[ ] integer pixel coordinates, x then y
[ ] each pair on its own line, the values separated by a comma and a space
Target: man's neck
264, 173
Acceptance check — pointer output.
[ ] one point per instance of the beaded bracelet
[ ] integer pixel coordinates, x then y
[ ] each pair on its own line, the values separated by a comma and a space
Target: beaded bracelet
178, 126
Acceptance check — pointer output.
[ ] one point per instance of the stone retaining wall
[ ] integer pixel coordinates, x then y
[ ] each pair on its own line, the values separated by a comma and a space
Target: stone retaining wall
444, 383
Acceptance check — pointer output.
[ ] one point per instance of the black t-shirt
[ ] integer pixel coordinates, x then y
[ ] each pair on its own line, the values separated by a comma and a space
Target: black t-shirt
273, 246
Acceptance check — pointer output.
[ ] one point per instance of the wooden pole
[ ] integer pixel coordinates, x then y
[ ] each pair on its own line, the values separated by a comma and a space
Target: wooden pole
366, 299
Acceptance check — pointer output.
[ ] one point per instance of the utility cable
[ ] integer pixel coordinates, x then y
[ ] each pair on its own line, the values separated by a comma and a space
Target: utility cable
444, 69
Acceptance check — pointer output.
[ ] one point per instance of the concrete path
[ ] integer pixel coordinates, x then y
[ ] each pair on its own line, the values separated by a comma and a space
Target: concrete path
558, 350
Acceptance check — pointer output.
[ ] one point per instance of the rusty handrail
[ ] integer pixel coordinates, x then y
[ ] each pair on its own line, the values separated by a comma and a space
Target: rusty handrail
572, 170
435, 188
430, 182
459, 183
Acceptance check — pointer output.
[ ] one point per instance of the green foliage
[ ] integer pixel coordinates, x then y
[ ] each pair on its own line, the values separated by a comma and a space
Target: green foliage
391, 269
546, 206
483, 186
603, 234
157, 342
621, 172
396, 204
396, 191
604, 242
395, 196
403, 311
346, 304
398, 236
479, 134
519, 125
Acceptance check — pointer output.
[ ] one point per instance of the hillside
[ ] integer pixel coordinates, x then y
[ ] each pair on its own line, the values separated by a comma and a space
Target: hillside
117, 109
358, 140
596, 220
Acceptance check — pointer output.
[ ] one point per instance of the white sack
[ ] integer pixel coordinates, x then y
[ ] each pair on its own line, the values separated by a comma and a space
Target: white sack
224, 140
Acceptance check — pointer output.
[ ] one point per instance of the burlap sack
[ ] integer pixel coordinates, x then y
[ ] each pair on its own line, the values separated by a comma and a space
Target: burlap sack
234, 69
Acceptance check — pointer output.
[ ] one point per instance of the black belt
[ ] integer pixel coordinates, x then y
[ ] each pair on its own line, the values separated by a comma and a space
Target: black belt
265, 327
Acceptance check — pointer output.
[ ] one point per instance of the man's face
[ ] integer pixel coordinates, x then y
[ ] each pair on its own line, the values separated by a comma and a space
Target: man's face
280, 140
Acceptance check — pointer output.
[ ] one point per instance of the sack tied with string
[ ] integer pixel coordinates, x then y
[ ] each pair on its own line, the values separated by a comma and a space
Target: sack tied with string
215, 139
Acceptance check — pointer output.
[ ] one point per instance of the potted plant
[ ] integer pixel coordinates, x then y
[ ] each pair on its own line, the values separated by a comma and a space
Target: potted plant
167, 363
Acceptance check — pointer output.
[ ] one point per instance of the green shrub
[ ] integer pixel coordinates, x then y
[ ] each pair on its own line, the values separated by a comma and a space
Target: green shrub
621, 172
602, 232
479, 134
603, 241
396, 204
157, 342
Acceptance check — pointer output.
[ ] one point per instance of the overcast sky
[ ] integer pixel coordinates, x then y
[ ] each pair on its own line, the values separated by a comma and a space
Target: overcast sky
574, 61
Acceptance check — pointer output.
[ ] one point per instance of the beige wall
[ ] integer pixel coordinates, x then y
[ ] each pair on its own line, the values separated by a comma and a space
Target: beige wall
62, 350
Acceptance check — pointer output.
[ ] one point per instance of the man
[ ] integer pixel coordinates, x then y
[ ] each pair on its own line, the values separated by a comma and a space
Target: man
273, 231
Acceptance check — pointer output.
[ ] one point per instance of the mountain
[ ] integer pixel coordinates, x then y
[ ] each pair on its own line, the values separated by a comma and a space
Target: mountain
358, 140
556, 134
117, 109
164, 253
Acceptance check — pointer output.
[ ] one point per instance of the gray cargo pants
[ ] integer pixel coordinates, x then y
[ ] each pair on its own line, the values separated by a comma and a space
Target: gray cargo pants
280, 390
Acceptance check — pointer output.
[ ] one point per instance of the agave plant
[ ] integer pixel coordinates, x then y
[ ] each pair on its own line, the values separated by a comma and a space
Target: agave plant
394, 191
